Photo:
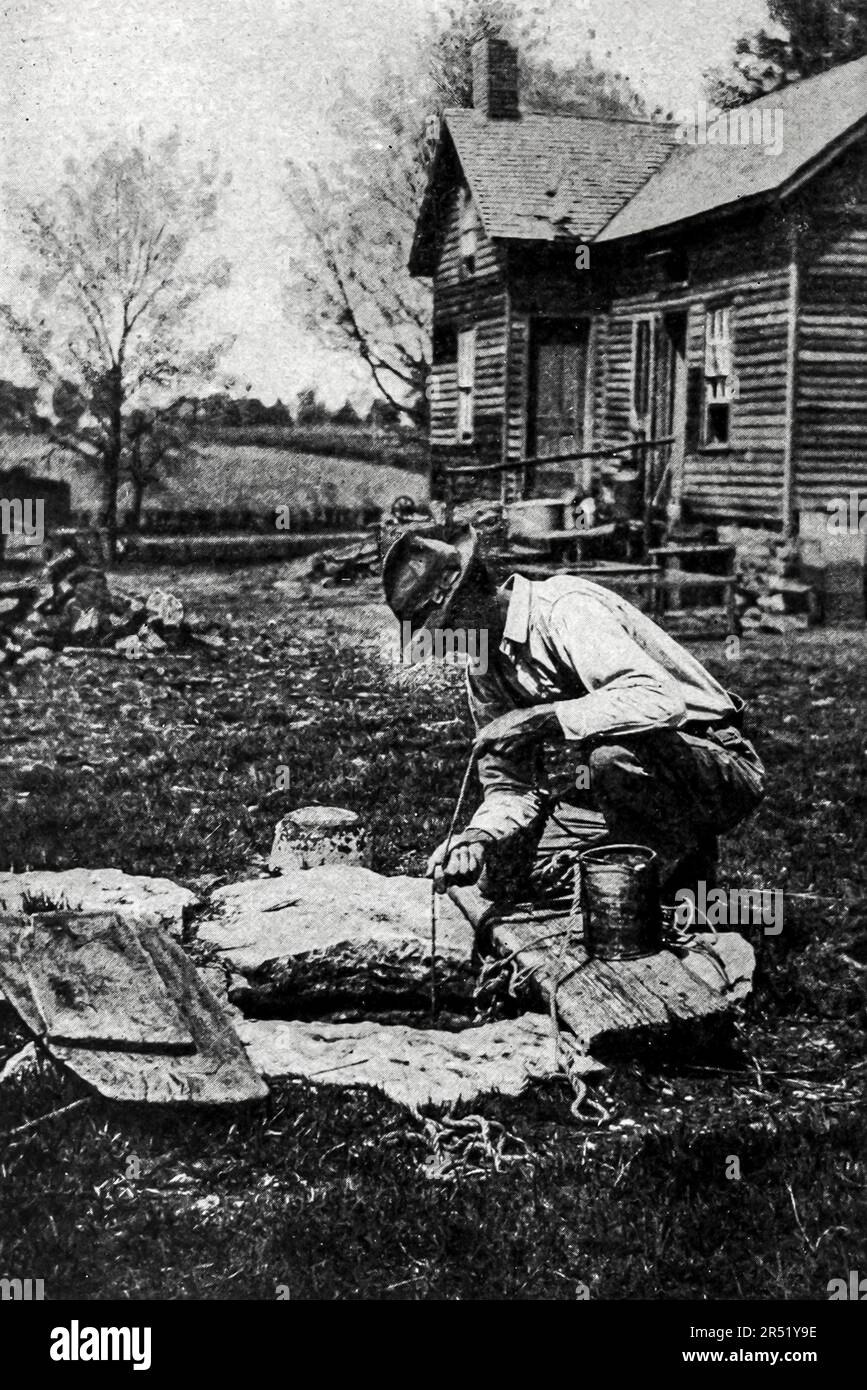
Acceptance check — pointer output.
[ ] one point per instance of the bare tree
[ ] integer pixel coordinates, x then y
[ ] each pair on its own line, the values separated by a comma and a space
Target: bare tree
115, 273
348, 276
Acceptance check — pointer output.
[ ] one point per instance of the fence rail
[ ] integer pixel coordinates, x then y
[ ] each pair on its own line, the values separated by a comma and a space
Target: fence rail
610, 451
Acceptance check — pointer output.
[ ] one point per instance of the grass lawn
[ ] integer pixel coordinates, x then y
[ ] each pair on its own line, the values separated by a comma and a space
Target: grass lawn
169, 768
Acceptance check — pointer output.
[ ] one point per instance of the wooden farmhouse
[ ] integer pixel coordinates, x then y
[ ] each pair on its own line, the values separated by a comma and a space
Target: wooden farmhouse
600, 283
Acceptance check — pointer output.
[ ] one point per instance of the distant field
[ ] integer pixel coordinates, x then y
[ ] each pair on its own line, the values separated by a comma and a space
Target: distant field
400, 448
227, 474
244, 475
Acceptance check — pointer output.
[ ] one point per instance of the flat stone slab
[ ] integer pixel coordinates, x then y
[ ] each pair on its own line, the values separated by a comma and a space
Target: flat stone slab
99, 890
413, 1066
338, 934
123, 1007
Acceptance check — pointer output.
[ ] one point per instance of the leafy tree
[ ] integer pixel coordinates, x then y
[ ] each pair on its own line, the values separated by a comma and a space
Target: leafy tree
349, 277
114, 284
17, 404
310, 410
382, 414
346, 415
155, 450
810, 37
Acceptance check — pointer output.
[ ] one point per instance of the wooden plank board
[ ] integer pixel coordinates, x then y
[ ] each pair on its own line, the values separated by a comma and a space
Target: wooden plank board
216, 1072
611, 1004
90, 982
605, 1003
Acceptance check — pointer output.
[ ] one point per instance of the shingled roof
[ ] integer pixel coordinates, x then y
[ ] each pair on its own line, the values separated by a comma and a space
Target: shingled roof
519, 171
553, 178
542, 178
817, 114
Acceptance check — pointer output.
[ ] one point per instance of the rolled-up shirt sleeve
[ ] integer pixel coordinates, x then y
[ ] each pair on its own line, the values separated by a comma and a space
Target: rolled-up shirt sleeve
512, 799
627, 691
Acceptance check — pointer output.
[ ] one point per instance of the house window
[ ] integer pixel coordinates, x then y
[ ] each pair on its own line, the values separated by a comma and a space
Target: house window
466, 384
468, 233
642, 375
669, 265
445, 343
717, 374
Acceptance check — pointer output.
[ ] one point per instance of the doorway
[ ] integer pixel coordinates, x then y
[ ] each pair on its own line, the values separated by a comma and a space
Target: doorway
659, 401
558, 386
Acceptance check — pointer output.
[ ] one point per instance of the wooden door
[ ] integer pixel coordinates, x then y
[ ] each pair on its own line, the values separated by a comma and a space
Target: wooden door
558, 387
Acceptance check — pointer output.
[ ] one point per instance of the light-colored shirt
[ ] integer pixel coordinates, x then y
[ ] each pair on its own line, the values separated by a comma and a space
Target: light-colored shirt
606, 668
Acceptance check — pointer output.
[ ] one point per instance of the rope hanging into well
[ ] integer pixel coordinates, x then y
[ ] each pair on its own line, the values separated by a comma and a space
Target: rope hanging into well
565, 1052
471, 762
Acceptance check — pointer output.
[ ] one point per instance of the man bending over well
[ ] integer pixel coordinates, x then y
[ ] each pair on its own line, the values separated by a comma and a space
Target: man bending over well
660, 756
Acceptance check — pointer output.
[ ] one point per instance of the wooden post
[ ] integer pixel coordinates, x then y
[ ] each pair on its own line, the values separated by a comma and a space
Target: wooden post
585, 481
678, 427
647, 481
788, 499
505, 489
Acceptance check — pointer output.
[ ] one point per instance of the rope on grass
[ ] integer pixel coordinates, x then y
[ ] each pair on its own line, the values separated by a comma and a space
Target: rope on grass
469, 1146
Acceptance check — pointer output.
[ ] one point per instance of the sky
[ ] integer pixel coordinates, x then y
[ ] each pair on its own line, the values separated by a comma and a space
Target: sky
252, 80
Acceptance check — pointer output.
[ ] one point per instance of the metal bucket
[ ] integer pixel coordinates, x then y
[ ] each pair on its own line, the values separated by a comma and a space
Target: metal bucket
619, 892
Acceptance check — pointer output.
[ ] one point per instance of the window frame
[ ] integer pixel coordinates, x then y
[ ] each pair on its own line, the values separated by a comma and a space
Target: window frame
466, 389
468, 233
719, 388
640, 423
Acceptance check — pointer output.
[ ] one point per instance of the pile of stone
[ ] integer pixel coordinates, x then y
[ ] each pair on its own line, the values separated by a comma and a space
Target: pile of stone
771, 593
70, 605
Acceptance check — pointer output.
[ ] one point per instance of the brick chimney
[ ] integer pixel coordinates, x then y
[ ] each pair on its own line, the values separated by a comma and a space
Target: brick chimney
495, 79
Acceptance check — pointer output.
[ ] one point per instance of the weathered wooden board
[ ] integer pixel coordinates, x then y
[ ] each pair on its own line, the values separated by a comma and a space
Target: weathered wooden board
609, 1004
215, 1071
92, 984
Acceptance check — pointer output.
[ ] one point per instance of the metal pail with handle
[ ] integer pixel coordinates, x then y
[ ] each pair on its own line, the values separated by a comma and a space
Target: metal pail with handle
619, 894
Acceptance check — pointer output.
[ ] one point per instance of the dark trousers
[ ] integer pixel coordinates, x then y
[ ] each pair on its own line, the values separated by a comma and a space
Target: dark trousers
668, 789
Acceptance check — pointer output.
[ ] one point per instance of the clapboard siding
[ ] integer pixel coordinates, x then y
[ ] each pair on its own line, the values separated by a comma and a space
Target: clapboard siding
617, 379
489, 383
831, 454
747, 268
456, 295
462, 301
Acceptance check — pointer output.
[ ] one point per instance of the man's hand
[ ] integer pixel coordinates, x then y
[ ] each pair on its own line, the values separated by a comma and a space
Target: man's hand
519, 725
465, 863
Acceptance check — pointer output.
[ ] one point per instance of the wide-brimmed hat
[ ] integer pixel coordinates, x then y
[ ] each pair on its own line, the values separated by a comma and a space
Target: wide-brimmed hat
421, 577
